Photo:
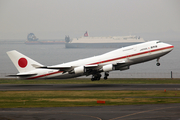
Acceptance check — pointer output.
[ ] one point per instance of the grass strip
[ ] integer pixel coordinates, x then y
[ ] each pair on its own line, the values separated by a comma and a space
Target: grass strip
88, 81
14, 99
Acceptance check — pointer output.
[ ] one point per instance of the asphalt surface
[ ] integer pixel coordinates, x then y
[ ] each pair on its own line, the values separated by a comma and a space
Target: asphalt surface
89, 87
123, 112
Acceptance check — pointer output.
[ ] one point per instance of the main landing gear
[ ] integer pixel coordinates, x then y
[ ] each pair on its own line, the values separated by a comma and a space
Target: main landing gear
106, 74
96, 77
158, 64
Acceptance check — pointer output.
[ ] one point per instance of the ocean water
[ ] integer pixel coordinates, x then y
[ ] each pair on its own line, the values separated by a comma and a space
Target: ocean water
56, 54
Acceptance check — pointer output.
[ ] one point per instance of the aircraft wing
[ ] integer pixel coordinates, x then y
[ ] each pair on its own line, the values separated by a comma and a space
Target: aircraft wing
60, 68
121, 62
68, 68
91, 66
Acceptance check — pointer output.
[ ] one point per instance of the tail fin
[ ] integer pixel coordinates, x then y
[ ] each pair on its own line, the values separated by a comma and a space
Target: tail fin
22, 62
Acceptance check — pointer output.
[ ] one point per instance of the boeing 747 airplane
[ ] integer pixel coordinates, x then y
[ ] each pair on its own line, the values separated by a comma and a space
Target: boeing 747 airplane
120, 59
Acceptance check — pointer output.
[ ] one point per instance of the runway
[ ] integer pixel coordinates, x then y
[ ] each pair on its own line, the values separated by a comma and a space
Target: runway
89, 87
127, 112
121, 112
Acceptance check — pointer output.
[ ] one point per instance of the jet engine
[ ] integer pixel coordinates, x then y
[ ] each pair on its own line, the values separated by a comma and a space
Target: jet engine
108, 68
80, 69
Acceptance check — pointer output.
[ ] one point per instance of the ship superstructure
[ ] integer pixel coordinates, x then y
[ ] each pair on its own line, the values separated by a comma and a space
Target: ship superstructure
105, 42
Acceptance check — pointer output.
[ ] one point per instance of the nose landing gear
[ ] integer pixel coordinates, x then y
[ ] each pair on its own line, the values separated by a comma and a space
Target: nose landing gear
158, 64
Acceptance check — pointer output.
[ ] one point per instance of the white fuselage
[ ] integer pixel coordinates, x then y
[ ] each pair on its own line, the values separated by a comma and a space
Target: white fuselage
120, 58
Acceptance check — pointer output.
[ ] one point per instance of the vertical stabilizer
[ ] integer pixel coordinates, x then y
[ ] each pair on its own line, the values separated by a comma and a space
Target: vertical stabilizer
22, 62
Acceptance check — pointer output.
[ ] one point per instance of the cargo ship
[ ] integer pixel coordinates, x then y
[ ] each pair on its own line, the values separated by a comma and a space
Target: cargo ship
103, 42
32, 39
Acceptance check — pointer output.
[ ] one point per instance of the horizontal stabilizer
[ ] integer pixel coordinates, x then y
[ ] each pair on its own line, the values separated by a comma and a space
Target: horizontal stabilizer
37, 66
21, 75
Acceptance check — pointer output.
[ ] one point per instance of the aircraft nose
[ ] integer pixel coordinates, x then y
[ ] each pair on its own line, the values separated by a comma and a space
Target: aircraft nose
171, 47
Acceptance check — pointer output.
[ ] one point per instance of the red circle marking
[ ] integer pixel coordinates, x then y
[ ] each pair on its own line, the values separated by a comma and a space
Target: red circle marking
22, 62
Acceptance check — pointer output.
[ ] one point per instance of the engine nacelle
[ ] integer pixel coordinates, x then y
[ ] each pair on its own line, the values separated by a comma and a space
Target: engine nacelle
107, 68
124, 68
80, 69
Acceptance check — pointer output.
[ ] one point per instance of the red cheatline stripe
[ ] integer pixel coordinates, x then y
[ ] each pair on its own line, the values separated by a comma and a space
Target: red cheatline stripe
45, 75
132, 55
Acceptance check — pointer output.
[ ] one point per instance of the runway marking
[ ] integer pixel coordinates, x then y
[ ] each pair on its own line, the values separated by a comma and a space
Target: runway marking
141, 112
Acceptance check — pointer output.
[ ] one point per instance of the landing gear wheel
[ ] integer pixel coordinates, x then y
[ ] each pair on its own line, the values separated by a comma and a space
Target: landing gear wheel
99, 76
158, 64
106, 74
96, 77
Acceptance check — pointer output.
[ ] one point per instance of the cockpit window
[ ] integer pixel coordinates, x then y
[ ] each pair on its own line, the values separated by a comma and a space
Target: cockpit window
158, 42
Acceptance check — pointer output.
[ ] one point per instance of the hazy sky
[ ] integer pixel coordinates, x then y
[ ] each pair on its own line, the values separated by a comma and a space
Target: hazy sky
57, 18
